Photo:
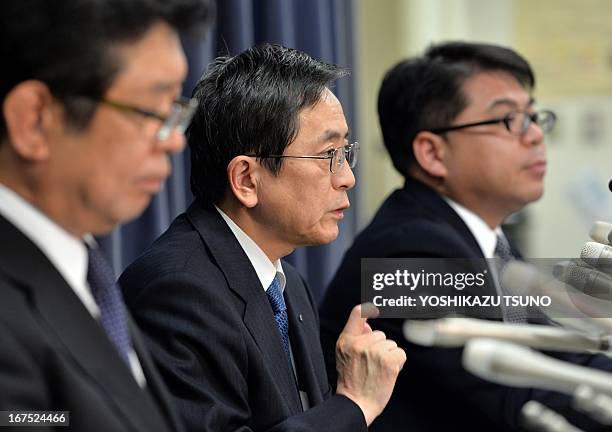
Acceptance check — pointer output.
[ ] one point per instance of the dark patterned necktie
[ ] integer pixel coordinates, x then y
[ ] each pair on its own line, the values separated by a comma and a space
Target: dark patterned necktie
502, 250
113, 317
275, 297
514, 314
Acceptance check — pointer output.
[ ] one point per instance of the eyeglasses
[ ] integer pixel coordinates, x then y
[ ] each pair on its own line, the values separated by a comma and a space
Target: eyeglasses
336, 156
517, 122
181, 112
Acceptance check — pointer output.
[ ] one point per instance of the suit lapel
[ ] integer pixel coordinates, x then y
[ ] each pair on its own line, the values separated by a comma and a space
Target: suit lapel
64, 315
435, 205
303, 329
242, 279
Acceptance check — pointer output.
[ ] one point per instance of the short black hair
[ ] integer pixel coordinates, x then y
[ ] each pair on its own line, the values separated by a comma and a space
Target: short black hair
250, 104
68, 44
424, 93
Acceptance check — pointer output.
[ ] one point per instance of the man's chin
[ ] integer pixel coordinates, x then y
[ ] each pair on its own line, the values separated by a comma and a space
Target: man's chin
537, 193
529, 197
323, 238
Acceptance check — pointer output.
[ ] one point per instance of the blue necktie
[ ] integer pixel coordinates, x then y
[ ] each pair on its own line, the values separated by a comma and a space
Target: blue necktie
275, 297
514, 314
107, 295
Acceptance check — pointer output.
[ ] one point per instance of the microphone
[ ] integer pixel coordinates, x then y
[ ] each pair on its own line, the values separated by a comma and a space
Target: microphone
594, 250
568, 305
588, 280
610, 185
596, 405
598, 255
601, 232
455, 332
517, 366
537, 417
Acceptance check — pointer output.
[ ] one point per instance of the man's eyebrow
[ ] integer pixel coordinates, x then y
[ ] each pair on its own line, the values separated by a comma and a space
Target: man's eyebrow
510, 103
165, 86
331, 134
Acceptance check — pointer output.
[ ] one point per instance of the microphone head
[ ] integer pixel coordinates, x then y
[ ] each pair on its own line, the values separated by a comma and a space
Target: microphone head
532, 409
479, 357
584, 393
591, 250
610, 185
572, 274
588, 280
600, 232
495, 361
538, 417
420, 332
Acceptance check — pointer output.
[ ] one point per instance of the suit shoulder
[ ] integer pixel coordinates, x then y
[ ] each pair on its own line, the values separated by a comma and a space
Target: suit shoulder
416, 236
178, 252
14, 302
20, 322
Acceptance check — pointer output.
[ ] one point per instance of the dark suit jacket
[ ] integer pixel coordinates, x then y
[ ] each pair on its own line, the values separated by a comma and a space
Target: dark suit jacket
55, 356
212, 332
433, 392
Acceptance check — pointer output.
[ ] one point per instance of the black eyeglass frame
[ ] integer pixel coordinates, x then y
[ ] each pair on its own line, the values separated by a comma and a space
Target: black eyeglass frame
353, 148
181, 113
530, 117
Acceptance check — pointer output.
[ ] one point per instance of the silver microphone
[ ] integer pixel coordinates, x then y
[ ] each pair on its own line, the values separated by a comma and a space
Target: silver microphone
598, 255
596, 405
585, 279
568, 305
455, 332
518, 366
539, 418
595, 250
601, 232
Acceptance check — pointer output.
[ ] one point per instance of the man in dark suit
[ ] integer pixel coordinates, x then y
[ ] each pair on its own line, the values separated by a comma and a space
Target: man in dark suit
460, 125
233, 329
85, 138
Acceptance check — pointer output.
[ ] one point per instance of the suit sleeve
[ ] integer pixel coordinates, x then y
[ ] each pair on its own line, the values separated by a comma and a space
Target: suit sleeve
199, 347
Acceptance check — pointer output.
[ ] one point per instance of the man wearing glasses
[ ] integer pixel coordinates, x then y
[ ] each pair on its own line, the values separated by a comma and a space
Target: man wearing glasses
461, 126
233, 328
89, 120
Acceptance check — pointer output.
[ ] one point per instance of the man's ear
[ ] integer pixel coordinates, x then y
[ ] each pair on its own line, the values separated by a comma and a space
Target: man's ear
430, 151
30, 111
242, 176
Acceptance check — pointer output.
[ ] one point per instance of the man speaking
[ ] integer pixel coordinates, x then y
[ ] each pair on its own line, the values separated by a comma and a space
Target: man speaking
233, 328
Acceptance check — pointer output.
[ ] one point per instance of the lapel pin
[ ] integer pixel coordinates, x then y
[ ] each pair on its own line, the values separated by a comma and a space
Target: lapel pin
300, 317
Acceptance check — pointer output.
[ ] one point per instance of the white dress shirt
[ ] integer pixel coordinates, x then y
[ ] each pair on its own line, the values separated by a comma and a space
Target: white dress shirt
67, 253
484, 235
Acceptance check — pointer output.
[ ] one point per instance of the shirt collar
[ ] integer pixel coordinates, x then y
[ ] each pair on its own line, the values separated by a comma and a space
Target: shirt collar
484, 235
67, 253
265, 269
